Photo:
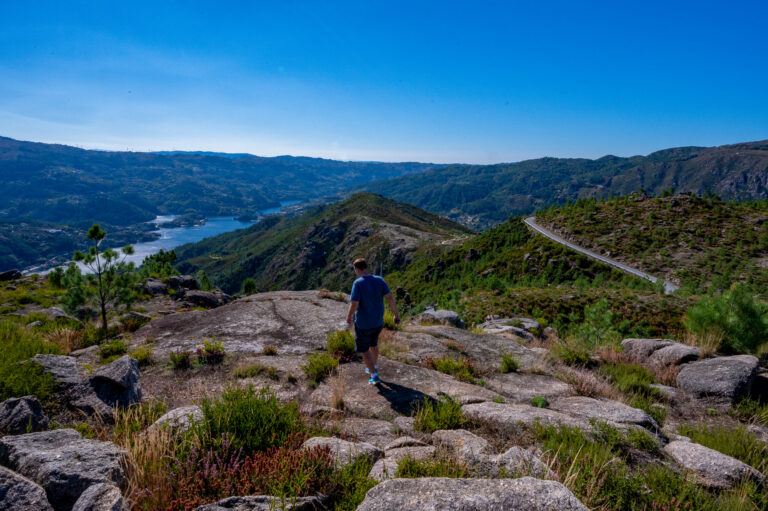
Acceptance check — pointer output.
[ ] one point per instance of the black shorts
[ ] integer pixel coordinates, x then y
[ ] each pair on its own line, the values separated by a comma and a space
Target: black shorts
366, 338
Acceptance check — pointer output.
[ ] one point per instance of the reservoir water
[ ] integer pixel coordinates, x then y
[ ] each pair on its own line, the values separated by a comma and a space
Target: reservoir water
173, 237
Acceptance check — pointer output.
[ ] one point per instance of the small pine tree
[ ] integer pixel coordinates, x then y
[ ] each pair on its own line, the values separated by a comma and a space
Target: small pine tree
249, 286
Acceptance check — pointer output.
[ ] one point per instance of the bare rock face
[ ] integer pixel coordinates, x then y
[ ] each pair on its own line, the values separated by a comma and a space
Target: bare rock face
446, 494
64, 463
641, 349
519, 327
117, 384
22, 415
344, 452
605, 410
440, 317
404, 441
62, 368
295, 322
17, 493
206, 299
180, 419
373, 431
461, 443
263, 503
674, 355
522, 387
509, 416
101, 497
712, 468
727, 378
403, 387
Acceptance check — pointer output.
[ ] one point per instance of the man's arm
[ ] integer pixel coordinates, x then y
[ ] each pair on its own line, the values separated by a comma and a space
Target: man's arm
351, 313
391, 301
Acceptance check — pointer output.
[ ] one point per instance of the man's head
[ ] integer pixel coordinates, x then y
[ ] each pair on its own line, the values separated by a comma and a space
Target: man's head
361, 267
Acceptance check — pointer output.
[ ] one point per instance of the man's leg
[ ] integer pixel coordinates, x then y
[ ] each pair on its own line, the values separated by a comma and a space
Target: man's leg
368, 359
374, 351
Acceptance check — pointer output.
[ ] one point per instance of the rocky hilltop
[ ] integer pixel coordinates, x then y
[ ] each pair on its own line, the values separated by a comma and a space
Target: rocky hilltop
491, 417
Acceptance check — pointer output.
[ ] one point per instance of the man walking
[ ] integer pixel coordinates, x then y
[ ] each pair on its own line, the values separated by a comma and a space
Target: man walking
366, 308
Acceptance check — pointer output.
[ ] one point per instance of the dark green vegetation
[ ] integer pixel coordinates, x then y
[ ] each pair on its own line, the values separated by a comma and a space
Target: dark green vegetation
484, 195
319, 366
439, 467
433, 415
701, 243
315, 250
60, 187
509, 271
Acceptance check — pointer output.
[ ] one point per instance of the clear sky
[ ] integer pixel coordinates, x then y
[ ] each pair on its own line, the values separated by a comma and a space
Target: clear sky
441, 81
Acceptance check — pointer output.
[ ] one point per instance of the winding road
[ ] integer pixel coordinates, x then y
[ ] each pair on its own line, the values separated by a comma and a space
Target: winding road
531, 223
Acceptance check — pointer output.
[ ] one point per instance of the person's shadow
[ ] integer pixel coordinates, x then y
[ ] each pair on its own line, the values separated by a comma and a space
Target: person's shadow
403, 400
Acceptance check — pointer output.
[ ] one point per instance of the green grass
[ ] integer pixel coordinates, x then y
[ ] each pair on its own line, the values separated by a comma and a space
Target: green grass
319, 366
460, 368
436, 467
634, 380
253, 370
509, 364
341, 343
352, 483
433, 415
751, 409
113, 349
734, 441
252, 420
143, 355
180, 359
539, 402
18, 344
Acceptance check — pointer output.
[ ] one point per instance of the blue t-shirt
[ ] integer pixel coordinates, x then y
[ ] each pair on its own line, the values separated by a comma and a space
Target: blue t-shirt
368, 291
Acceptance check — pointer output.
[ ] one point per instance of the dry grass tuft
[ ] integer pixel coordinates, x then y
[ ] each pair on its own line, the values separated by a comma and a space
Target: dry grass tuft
587, 383
391, 347
65, 339
707, 343
666, 375
337, 390
324, 293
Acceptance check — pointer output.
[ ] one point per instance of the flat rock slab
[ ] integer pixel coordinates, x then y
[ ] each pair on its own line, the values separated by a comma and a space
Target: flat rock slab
385, 468
373, 431
522, 387
461, 443
264, 503
404, 441
64, 463
484, 349
17, 493
403, 388
446, 494
344, 452
293, 321
62, 368
728, 378
506, 415
604, 410
417, 453
711, 467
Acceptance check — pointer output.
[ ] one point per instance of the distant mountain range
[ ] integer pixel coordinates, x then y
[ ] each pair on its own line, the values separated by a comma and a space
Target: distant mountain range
315, 249
483, 195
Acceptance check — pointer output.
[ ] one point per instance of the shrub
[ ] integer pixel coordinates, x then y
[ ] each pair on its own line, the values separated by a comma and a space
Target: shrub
211, 353
433, 415
341, 343
143, 355
203, 280
460, 368
573, 354
133, 323
509, 364
319, 366
437, 467
181, 359
270, 351
249, 371
539, 402
250, 420
735, 317
113, 349
249, 286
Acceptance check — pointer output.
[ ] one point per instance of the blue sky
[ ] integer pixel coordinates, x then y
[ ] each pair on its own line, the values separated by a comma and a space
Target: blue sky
476, 82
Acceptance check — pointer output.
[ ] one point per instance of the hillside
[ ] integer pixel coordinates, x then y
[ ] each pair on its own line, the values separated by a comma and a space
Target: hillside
483, 195
697, 243
315, 249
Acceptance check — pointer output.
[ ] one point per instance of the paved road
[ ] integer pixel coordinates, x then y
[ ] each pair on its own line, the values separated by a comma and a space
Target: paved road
531, 222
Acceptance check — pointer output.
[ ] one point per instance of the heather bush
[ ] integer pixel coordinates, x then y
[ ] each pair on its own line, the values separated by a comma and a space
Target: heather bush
113, 349
460, 368
341, 343
433, 415
437, 467
508, 364
181, 359
319, 366
210, 353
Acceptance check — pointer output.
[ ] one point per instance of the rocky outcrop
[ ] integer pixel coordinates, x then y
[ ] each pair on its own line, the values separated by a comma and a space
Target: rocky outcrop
10, 275
293, 321
524, 328
117, 384
17, 493
461, 443
344, 452
180, 419
373, 431
604, 410
522, 387
206, 299
674, 355
723, 378
640, 349
264, 503
444, 494
511, 416
64, 463
439, 317
712, 468
155, 287
22, 415
62, 368
101, 497
404, 441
